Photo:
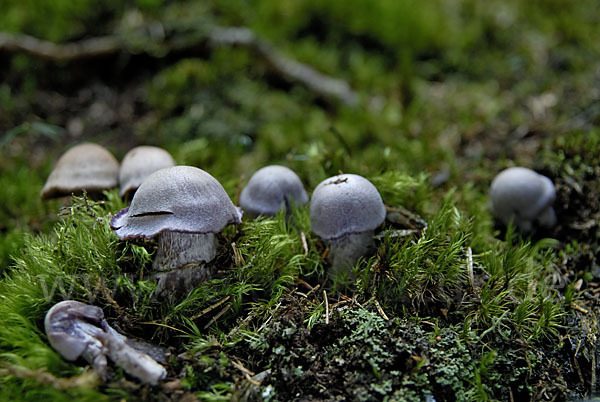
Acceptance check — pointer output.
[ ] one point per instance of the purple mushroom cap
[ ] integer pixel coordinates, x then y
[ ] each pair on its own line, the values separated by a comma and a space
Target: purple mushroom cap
177, 199
270, 189
63, 325
345, 204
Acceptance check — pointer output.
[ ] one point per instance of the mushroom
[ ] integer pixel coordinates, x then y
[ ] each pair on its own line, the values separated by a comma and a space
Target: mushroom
522, 195
75, 329
139, 163
344, 211
271, 188
88, 167
184, 206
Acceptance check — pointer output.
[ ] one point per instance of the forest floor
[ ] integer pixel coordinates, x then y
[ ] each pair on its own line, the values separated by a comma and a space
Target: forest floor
449, 305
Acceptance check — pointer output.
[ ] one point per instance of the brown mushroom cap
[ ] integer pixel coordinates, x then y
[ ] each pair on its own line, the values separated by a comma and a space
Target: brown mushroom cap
139, 163
177, 199
88, 167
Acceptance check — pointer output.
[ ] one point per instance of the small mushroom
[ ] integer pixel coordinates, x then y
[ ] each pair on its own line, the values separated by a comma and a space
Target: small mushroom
184, 206
139, 163
344, 211
75, 329
271, 188
522, 195
88, 167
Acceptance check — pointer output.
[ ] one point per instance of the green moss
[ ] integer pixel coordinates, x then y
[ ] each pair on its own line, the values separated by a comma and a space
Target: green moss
464, 89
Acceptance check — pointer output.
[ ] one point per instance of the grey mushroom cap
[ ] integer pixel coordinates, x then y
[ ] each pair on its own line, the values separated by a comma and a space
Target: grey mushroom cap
345, 204
523, 195
88, 167
271, 188
177, 199
139, 163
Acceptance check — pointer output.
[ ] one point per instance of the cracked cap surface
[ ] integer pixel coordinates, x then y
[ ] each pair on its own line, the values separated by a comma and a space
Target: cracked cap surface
177, 199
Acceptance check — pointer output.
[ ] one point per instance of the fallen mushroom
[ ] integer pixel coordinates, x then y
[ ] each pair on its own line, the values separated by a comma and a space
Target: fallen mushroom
75, 329
344, 211
139, 163
88, 167
270, 189
524, 196
185, 207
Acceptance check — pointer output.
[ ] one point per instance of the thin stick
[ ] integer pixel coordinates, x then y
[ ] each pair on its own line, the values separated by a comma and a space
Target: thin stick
579, 308
380, 310
313, 290
247, 373
326, 306
287, 68
470, 268
304, 244
216, 317
304, 283
237, 256
158, 324
210, 308
88, 379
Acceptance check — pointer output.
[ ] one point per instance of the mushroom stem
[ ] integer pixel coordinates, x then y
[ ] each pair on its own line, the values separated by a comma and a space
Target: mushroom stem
345, 251
137, 364
178, 249
181, 261
547, 218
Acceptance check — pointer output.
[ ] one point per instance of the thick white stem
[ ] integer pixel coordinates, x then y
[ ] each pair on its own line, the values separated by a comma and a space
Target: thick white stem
176, 250
180, 262
137, 364
345, 251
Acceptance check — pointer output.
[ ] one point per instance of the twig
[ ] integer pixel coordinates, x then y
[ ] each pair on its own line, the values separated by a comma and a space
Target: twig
158, 324
470, 268
84, 49
210, 308
247, 373
216, 317
237, 256
289, 69
304, 244
326, 306
579, 308
88, 379
304, 283
292, 70
313, 290
380, 310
